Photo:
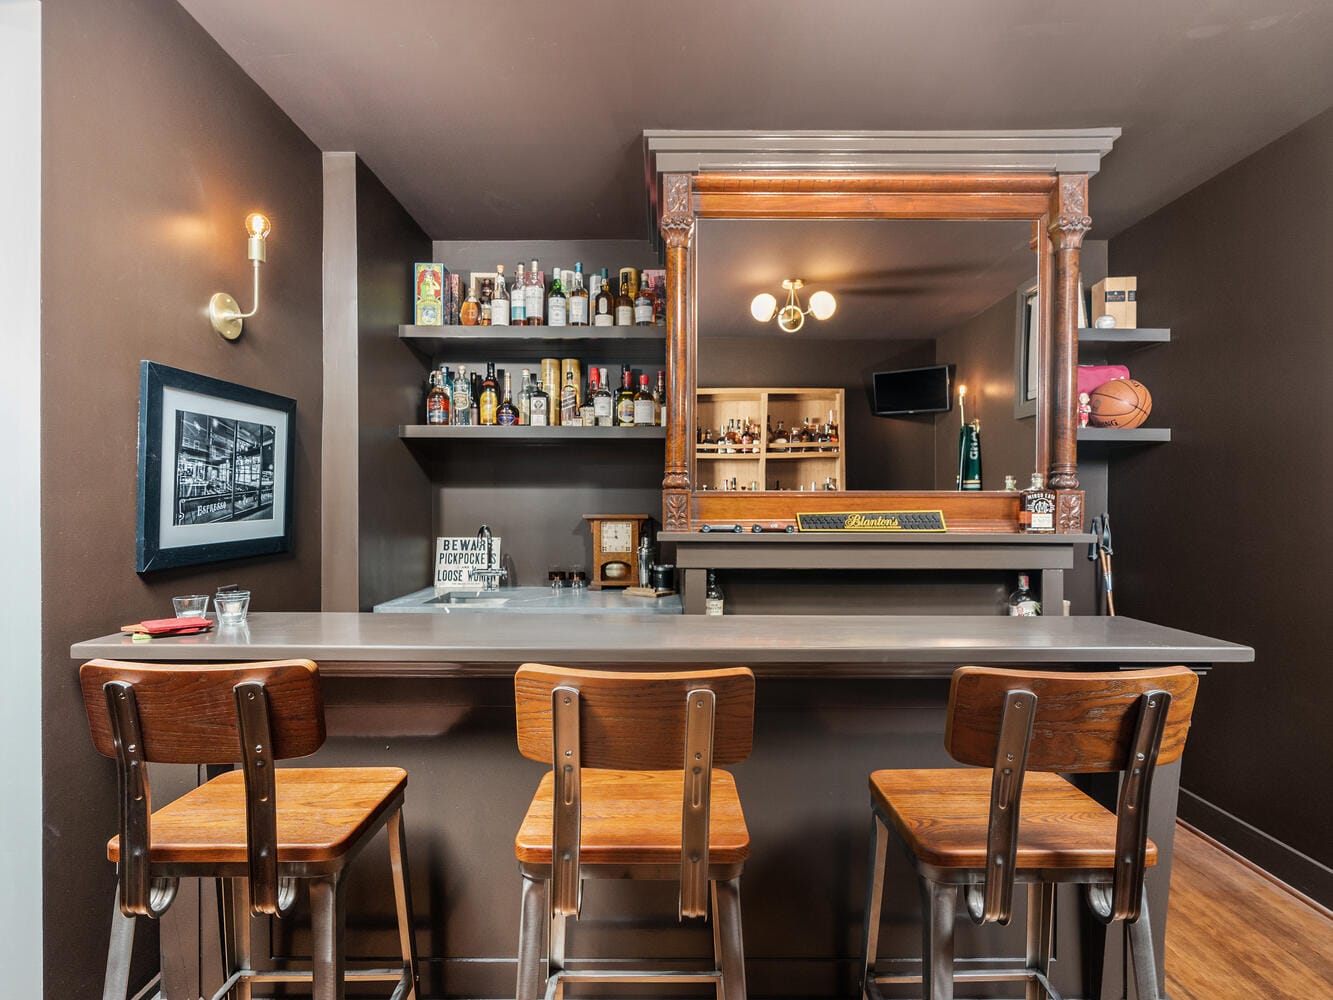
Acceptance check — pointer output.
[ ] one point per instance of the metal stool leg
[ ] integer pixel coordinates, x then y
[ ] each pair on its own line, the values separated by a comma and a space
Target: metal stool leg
1140, 946
533, 916
879, 842
327, 918
237, 949
1041, 932
402, 895
119, 952
939, 903
727, 898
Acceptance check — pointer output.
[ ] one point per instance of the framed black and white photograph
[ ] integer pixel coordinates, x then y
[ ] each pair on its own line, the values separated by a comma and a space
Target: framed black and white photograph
1027, 351
216, 463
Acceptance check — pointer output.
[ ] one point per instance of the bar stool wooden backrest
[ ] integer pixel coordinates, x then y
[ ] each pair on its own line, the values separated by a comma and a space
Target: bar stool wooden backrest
636, 721
1018, 720
253, 714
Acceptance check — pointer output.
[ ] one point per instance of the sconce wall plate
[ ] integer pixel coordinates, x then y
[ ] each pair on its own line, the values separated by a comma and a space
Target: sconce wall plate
224, 313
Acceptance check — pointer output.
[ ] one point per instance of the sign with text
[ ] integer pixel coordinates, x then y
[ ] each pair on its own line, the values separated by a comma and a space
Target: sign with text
872, 520
457, 558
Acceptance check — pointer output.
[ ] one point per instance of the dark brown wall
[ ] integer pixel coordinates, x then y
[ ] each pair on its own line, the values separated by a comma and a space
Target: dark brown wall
155, 146
1226, 529
395, 511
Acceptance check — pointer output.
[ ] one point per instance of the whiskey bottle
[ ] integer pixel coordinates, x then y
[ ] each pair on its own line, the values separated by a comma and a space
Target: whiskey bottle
518, 297
624, 304
603, 403
1036, 507
534, 296
713, 601
578, 298
539, 406
644, 410
659, 397
470, 314
461, 412
488, 402
500, 309
604, 306
569, 400
557, 313
625, 399
1022, 602
474, 399
587, 413
780, 440
437, 400
643, 306
832, 430
506, 414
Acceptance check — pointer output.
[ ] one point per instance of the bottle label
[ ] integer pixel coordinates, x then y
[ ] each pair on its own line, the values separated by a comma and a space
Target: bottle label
569, 404
500, 313
643, 314
643, 412
713, 606
506, 417
517, 310
578, 311
1026, 608
624, 315
625, 411
436, 411
532, 302
556, 312
537, 412
602, 407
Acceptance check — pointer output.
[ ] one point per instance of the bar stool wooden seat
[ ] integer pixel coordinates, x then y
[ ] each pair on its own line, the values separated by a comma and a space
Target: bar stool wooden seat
977, 832
261, 828
633, 793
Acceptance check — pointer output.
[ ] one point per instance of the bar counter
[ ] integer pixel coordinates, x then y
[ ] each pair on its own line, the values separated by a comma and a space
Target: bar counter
838, 697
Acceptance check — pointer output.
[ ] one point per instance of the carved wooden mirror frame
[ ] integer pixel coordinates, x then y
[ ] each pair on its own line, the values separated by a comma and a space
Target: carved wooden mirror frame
1055, 203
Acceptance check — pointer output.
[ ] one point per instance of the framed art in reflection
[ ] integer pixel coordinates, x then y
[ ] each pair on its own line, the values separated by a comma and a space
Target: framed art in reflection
216, 464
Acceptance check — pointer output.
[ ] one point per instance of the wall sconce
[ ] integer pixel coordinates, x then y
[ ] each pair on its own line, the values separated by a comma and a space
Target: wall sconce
223, 311
791, 317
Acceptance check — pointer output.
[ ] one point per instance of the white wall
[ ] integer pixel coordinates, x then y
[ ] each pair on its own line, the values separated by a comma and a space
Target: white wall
20, 516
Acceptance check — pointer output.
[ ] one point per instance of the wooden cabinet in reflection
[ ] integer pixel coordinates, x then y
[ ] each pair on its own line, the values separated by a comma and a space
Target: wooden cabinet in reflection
769, 438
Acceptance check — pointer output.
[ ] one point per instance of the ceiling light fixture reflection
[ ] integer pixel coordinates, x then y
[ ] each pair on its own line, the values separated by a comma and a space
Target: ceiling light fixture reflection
791, 317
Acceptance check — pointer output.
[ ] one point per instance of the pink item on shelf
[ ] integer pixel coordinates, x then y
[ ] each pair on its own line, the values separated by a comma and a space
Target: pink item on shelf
1091, 376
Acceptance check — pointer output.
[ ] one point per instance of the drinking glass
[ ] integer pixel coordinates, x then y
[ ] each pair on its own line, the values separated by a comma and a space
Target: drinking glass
190, 606
231, 606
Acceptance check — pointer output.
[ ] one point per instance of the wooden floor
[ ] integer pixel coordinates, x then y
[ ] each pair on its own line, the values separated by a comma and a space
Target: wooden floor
1234, 935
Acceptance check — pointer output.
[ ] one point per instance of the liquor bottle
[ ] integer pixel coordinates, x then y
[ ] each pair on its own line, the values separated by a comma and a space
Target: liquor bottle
437, 400
470, 314
525, 399
587, 413
713, 595
832, 429
1022, 602
1036, 507
569, 400
489, 400
603, 404
643, 306
461, 414
539, 406
624, 304
747, 437
604, 305
500, 308
625, 399
780, 438
474, 399
534, 296
517, 298
506, 414
644, 410
557, 312
578, 298
659, 398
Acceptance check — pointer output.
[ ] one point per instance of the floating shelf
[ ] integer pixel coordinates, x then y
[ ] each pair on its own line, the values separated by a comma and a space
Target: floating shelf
509, 342
1113, 341
519, 435
1124, 436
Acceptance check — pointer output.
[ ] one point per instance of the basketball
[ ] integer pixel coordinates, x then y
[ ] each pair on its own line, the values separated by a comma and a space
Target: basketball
1121, 402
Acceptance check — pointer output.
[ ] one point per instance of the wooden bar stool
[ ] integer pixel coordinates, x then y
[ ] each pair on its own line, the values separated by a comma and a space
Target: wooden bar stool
980, 831
632, 794
262, 828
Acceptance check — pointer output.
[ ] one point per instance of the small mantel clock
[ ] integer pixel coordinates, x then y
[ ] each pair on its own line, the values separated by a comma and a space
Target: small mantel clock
615, 538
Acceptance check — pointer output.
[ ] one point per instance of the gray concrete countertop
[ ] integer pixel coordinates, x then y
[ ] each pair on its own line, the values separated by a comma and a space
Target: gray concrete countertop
536, 600
822, 646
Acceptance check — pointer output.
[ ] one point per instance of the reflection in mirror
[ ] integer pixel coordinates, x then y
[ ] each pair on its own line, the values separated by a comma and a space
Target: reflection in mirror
910, 294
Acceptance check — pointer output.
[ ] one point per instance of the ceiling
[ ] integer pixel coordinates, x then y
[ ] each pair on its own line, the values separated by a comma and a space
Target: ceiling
523, 120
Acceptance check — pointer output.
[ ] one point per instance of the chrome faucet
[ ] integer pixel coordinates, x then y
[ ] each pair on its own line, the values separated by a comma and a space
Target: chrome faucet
492, 574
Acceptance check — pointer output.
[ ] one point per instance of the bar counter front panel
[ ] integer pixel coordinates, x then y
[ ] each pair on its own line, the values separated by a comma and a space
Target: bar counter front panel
825, 719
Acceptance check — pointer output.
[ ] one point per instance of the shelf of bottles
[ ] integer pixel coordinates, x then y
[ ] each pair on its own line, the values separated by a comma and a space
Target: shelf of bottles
769, 438
573, 362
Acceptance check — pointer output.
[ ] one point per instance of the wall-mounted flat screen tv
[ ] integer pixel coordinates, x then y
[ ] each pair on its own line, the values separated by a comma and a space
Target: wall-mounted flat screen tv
913, 390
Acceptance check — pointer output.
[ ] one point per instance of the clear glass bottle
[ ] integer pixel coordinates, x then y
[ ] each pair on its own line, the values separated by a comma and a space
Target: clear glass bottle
643, 305
506, 414
603, 403
518, 297
578, 298
1022, 602
534, 296
525, 399
437, 400
488, 402
461, 412
557, 312
500, 308
624, 304
713, 601
659, 398
604, 305
644, 410
625, 399
1036, 507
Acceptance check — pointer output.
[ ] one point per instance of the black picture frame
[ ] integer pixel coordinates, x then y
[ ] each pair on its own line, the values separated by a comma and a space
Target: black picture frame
216, 469
1027, 347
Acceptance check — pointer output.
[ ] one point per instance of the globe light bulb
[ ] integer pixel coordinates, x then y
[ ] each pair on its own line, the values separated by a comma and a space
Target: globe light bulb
823, 305
762, 307
257, 224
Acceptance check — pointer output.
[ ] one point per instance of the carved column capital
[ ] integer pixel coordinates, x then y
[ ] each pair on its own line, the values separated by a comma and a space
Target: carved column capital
677, 223
1070, 221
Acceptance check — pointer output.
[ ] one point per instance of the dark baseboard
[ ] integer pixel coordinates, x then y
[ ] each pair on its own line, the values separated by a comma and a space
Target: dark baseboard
1300, 871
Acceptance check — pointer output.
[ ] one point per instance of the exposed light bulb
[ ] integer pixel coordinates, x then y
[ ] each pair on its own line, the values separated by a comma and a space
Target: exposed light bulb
823, 305
258, 224
762, 307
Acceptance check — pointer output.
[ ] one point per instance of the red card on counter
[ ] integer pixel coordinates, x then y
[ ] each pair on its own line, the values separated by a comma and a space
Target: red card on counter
169, 626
